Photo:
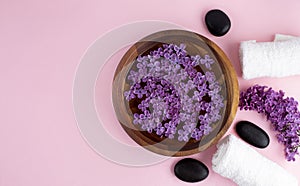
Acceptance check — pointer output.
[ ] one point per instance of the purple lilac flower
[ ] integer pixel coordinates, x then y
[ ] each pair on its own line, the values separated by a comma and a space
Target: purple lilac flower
183, 135
207, 61
282, 112
170, 90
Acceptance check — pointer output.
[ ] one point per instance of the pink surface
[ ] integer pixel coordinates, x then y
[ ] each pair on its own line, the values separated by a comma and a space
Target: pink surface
41, 43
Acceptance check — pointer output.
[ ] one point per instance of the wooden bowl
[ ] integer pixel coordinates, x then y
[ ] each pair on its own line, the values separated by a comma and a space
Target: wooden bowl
195, 44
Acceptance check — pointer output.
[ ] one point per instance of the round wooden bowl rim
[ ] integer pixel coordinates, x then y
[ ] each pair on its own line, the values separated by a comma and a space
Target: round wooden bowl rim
231, 86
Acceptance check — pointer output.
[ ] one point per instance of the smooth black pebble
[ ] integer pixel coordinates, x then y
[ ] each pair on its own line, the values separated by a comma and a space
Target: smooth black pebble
190, 170
217, 22
252, 134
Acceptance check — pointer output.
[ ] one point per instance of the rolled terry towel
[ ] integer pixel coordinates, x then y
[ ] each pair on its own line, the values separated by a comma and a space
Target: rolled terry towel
270, 59
283, 37
239, 162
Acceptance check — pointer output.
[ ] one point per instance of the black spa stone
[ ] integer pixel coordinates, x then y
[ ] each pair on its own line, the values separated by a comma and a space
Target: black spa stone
217, 22
190, 170
252, 134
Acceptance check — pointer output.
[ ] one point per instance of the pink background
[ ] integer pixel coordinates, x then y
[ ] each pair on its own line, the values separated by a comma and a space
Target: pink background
41, 43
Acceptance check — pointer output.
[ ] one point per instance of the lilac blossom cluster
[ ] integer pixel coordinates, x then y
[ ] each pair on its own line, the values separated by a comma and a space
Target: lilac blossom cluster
281, 112
171, 93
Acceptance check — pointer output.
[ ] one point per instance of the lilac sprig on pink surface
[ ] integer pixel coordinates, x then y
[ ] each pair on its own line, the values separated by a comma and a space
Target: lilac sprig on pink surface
282, 112
171, 93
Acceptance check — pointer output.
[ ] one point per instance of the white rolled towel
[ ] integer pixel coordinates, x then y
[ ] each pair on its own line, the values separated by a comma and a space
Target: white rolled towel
283, 37
270, 59
239, 162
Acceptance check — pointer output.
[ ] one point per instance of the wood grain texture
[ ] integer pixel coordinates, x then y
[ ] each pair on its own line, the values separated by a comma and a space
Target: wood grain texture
196, 44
